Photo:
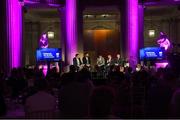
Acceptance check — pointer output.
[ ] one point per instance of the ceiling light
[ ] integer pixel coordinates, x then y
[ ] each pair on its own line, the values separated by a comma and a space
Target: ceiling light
51, 35
151, 33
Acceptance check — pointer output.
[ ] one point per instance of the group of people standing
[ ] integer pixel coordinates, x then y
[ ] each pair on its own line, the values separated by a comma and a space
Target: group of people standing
101, 63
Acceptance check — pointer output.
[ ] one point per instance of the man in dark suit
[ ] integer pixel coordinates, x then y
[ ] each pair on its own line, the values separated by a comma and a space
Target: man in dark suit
109, 63
119, 61
77, 62
86, 60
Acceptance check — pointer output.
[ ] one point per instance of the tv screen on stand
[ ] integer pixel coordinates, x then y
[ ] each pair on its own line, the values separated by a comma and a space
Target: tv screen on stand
152, 53
48, 54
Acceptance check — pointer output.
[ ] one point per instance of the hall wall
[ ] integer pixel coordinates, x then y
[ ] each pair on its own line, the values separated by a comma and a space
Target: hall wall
32, 33
170, 26
102, 36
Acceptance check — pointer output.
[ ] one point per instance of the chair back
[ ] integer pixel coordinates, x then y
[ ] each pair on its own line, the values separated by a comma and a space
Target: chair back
41, 114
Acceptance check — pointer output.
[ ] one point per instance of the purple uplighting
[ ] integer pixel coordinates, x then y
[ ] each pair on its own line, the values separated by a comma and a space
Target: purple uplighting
50, 3
71, 29
45, 69
132, 42
14, 32
43, 42
31, 2
161, 65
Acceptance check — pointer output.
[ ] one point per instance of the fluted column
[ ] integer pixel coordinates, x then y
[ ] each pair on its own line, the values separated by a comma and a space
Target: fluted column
132, 31
141, 25
71, 30
14, 32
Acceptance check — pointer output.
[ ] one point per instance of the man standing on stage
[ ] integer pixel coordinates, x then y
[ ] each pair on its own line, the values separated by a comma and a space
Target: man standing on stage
77, 62
163, 41
43, 42
86, 60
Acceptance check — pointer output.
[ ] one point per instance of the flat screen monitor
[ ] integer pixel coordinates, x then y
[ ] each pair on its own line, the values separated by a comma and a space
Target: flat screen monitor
152, 53
48, 54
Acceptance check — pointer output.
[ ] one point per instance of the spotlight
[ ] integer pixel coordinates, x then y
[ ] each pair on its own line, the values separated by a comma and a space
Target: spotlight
151, 33
51, 35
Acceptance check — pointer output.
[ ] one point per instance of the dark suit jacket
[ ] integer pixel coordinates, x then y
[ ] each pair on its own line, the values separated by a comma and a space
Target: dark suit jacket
119, 61
75, 63
110, 63
85, 61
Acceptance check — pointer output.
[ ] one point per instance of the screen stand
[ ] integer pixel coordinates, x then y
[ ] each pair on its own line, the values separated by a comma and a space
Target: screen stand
48, 65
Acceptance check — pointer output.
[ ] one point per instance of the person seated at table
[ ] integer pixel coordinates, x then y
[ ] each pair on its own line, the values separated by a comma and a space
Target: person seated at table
119, 61
101, 103
109, 62
40, 103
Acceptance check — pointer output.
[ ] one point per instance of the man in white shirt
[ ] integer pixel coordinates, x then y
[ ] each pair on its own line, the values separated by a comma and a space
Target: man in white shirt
100, 63
109, 61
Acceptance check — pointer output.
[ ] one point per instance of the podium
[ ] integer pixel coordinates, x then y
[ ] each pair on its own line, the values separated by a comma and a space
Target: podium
46, 56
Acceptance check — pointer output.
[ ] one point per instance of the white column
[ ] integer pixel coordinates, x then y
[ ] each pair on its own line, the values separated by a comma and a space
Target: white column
132, 31
71, 29
14, 32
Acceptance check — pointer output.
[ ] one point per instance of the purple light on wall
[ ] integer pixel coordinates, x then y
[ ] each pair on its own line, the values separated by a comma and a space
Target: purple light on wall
45, 70
132, 27
43, 42
163, 41
161, 65
71, 29
14, 32
50, 3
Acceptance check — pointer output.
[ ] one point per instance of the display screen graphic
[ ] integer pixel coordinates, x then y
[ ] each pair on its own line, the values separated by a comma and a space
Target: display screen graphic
48, 54
152, 53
